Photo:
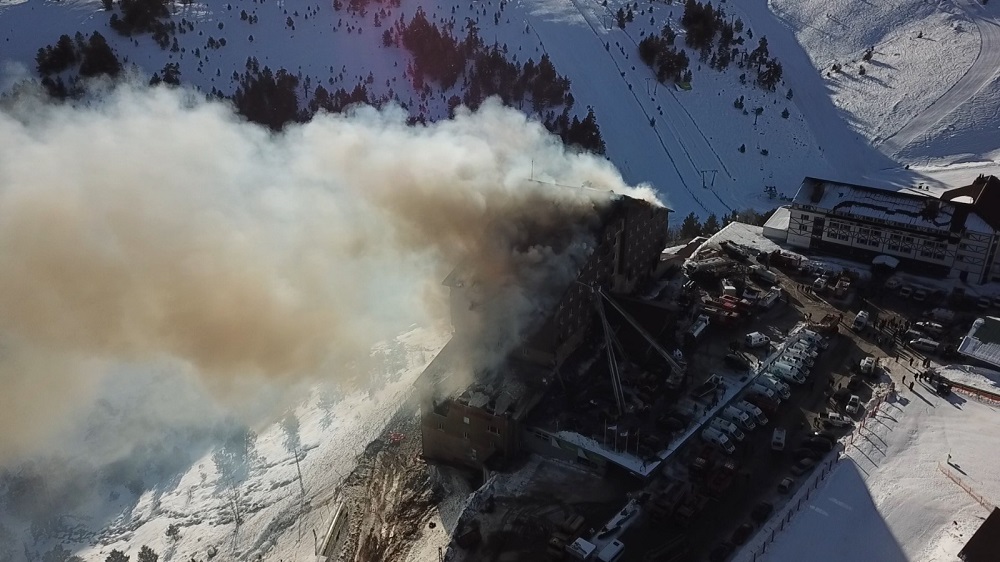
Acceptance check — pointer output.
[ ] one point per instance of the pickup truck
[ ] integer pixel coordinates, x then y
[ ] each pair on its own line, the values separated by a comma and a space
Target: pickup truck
832, 419
707, 387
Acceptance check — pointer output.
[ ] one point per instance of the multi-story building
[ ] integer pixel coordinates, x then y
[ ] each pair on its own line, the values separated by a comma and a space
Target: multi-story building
952, 235
469, 416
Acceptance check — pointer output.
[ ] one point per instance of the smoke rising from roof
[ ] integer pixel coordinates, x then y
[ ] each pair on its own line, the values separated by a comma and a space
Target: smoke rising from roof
151, 225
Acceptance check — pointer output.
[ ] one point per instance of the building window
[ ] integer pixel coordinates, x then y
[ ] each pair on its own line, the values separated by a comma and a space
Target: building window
933, 250
839, 231
440, 427
803, 228
466, 420
805, 217
870, 237
960, 258
494, 429
465, 434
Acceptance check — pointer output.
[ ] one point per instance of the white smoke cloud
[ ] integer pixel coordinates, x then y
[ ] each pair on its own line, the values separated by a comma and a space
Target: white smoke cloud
150, 225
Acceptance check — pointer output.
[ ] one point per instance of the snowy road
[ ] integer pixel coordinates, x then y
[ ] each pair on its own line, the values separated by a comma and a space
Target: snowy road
981, 73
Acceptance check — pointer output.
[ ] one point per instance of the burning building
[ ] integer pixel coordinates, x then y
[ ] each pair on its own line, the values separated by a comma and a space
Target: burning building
472, 411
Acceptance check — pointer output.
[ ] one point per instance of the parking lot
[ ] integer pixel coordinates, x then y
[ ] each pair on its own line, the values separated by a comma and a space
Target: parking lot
758, 470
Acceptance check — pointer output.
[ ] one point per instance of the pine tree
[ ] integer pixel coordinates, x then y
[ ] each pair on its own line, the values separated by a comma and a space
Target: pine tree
784, 114
690, 227
117, 556
711, 225
147, 554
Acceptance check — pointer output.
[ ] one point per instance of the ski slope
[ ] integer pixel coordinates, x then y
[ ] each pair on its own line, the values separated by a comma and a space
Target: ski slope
983, 71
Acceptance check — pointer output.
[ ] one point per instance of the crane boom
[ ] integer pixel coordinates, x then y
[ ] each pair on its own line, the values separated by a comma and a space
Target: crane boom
642, 331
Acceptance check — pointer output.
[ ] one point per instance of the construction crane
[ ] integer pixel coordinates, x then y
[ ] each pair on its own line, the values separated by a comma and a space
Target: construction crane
616, 379
674, 366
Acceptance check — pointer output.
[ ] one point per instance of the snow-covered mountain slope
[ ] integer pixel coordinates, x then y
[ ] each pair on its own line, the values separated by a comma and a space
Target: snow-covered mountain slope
271, 514
928, 85
682, 142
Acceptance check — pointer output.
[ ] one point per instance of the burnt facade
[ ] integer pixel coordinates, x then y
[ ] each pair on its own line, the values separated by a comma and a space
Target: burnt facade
469, 418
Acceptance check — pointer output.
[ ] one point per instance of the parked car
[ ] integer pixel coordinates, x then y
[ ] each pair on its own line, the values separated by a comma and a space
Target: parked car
860, 321
932, 328
819, 285
742, 533
841, 395
920, 295
853, 404
824, 434
820, 444
906, 291
855, 384
786, 372
924, 344
761, 512
806, 453
759, 389
785, 485
778, 439
893, 283
805, 358
868, 365
804, 348
721, 552
803, 466
833, 419
795, 361
753, 411
728, 427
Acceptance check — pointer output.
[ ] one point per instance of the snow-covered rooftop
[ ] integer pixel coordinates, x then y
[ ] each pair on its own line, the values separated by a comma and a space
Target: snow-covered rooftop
983, 341
910, 207
778, 221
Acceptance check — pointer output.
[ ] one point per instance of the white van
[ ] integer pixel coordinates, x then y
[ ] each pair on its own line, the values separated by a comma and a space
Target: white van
763, 390
814, 338
786, 372
739, 418
778, 439
779, 387
796, 362
764, 274
756, 339
860, 321
728, 427
719, 438
925, 345
805, 358
803, 348
752, 410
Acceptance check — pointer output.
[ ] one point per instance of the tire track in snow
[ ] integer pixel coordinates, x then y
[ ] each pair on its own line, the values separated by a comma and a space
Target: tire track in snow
981, 73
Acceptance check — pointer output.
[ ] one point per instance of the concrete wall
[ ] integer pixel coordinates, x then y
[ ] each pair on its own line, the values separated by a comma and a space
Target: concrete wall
460, 434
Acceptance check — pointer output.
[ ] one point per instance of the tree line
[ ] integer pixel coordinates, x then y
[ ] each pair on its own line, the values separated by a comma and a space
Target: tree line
692, 227
719, 42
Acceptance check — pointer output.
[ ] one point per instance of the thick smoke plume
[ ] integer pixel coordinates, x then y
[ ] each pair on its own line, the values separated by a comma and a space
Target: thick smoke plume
152, 226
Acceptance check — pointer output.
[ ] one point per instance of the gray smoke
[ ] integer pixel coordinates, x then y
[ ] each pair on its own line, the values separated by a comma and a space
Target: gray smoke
148, 226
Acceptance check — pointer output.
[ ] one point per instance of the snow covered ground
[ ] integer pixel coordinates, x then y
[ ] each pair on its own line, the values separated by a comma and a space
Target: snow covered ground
895, 496
279, 515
